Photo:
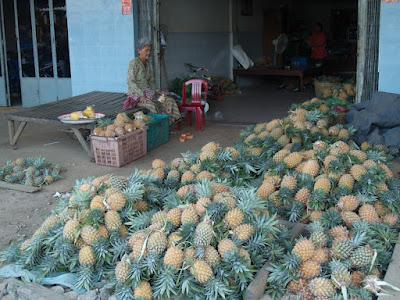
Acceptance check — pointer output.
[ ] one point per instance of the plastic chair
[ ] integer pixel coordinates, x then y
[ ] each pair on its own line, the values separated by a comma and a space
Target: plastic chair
196, 105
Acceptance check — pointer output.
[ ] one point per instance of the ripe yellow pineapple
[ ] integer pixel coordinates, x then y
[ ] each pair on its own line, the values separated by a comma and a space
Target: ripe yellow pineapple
390, 219
349, 217
323, 184
110, 191
173, 239
359, 154
275, 199
103, 232
388, 171
137, 244
176, 163
339, 147
302, 195
310, 269
235, 154
70, 231
116, 201
244, 232
277, 132
272, 124
205, 175
289, 182
227, 199
262, 135
266, 189
211, 256
311, 167
97, 203
87, 256
346, 181
339, 233
90, 235
157, 242
273, 179
112, 220
159, 217
158, 173
344, 134
226, 246
368, 213
296, 286
255, 151
348, 203
201, 271
122, 270
174, 216
243, 253
203, 234
141, 206
334, 130
293, 160
250, 138
212, 146
174, 257
304, 249
283, 140
315, 215
259, 128
189, 215
218, 188
201, 205
187, 177
380, 208
158, 163
280, 155
190, 254
357, 278
234, 218
123, 231
357, 171
86, 188
322, 288
327, 161
143, 291
382, 187
321, 255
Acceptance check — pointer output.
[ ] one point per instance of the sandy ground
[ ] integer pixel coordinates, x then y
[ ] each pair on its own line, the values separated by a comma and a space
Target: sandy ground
21, 213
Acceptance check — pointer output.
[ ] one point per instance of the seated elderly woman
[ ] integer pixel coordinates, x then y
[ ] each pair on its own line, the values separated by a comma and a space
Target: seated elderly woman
141, 86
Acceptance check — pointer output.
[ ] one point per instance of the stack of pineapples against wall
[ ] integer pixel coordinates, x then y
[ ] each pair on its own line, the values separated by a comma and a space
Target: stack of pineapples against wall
203, 224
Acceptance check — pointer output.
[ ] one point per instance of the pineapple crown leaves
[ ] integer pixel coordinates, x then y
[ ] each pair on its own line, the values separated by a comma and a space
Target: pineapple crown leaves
104, 122
216, 211
296, 212
377, 156
85, 280
134, 191
204, 188
151, 264
248, 201
189, 157
140, 221
123, 292
165, 283
330, 219
314, 115
10, 254
318, 200
268, 225
239, 269
217, 288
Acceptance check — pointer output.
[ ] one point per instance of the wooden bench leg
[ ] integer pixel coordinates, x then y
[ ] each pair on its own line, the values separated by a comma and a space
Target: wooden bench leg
14, 135
82, 141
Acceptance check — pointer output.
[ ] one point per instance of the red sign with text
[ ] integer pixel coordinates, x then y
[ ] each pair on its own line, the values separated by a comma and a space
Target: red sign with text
126, 7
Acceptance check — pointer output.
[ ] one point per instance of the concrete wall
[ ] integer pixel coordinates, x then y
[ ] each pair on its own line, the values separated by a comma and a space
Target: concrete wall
389, 54
198, 33
101, 42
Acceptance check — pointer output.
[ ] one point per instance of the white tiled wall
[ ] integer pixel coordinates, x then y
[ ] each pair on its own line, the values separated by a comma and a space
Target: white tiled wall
101, 42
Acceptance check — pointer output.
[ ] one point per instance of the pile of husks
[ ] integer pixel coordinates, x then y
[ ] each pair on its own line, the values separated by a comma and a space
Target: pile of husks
202, 225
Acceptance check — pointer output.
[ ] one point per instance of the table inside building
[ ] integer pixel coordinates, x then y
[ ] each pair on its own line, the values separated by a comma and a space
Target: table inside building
47, 114
270, 71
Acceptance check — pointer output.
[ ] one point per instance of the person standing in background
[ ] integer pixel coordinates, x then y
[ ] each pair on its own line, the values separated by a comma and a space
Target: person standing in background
317, 42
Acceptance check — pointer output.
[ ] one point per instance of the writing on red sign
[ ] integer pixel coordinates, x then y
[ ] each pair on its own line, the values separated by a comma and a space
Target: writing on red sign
126, 7
391, 1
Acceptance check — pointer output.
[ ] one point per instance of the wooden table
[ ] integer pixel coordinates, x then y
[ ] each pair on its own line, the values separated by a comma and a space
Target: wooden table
105, 102
265, 71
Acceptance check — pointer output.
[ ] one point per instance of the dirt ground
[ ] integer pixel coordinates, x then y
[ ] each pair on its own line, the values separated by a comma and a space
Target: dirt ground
22, 213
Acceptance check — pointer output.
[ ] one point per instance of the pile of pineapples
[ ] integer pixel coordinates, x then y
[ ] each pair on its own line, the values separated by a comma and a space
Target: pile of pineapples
31, 171
203, 224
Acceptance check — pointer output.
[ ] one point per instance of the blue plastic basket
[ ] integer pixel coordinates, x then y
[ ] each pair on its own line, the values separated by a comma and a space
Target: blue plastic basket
157, 131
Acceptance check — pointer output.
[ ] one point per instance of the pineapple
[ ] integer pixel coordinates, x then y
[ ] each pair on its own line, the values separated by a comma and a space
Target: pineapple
174, 216
289, 182
123, 231
97, 203
283, 140
173, 175
390, 219
310, 269
189, 215
319, 238
359, 154
265, 190
362, 257
159, 217
304, 249
276, 133
321, 255
346, 181
255, 151
387, 170
344, 134
210, 147
334, 130
212, 256
174, 258
348, 203
322, 288
368, 213
157, 242
141, 206
369, 164
293, 160
272, 124
158, 173
90, 235
190, 254
357, 278
187, 177
280, 155
174, 239
202, 271
311, 167
349, 217
339, 147
158, 164
234, 218
358, 171
103, 232
137, 244
116, 201
380, 208
226, 246
143, 291
302, 195
201, 205
203, 234
244, 232
243, 253
295, 286
340, 274
112, 220
262, 136
218, 188
327, 161
339, 233
342, 249
70, 231
250, 138
323, 184
122, 271
86, 256
204, 175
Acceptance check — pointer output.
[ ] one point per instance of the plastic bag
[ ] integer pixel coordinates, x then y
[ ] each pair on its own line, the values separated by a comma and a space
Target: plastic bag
242, 57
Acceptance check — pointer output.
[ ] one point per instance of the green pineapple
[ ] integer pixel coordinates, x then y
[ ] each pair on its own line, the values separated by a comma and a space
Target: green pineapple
340, 273
363, 257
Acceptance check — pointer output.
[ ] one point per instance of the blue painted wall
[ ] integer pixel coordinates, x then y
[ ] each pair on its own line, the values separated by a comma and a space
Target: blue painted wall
101, 42
389, 48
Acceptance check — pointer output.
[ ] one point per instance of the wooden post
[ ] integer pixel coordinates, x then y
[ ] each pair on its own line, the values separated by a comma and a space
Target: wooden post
20, 129
11, 130
82, 141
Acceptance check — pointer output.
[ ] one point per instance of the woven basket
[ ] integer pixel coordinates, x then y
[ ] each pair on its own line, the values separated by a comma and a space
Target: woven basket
119, 151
